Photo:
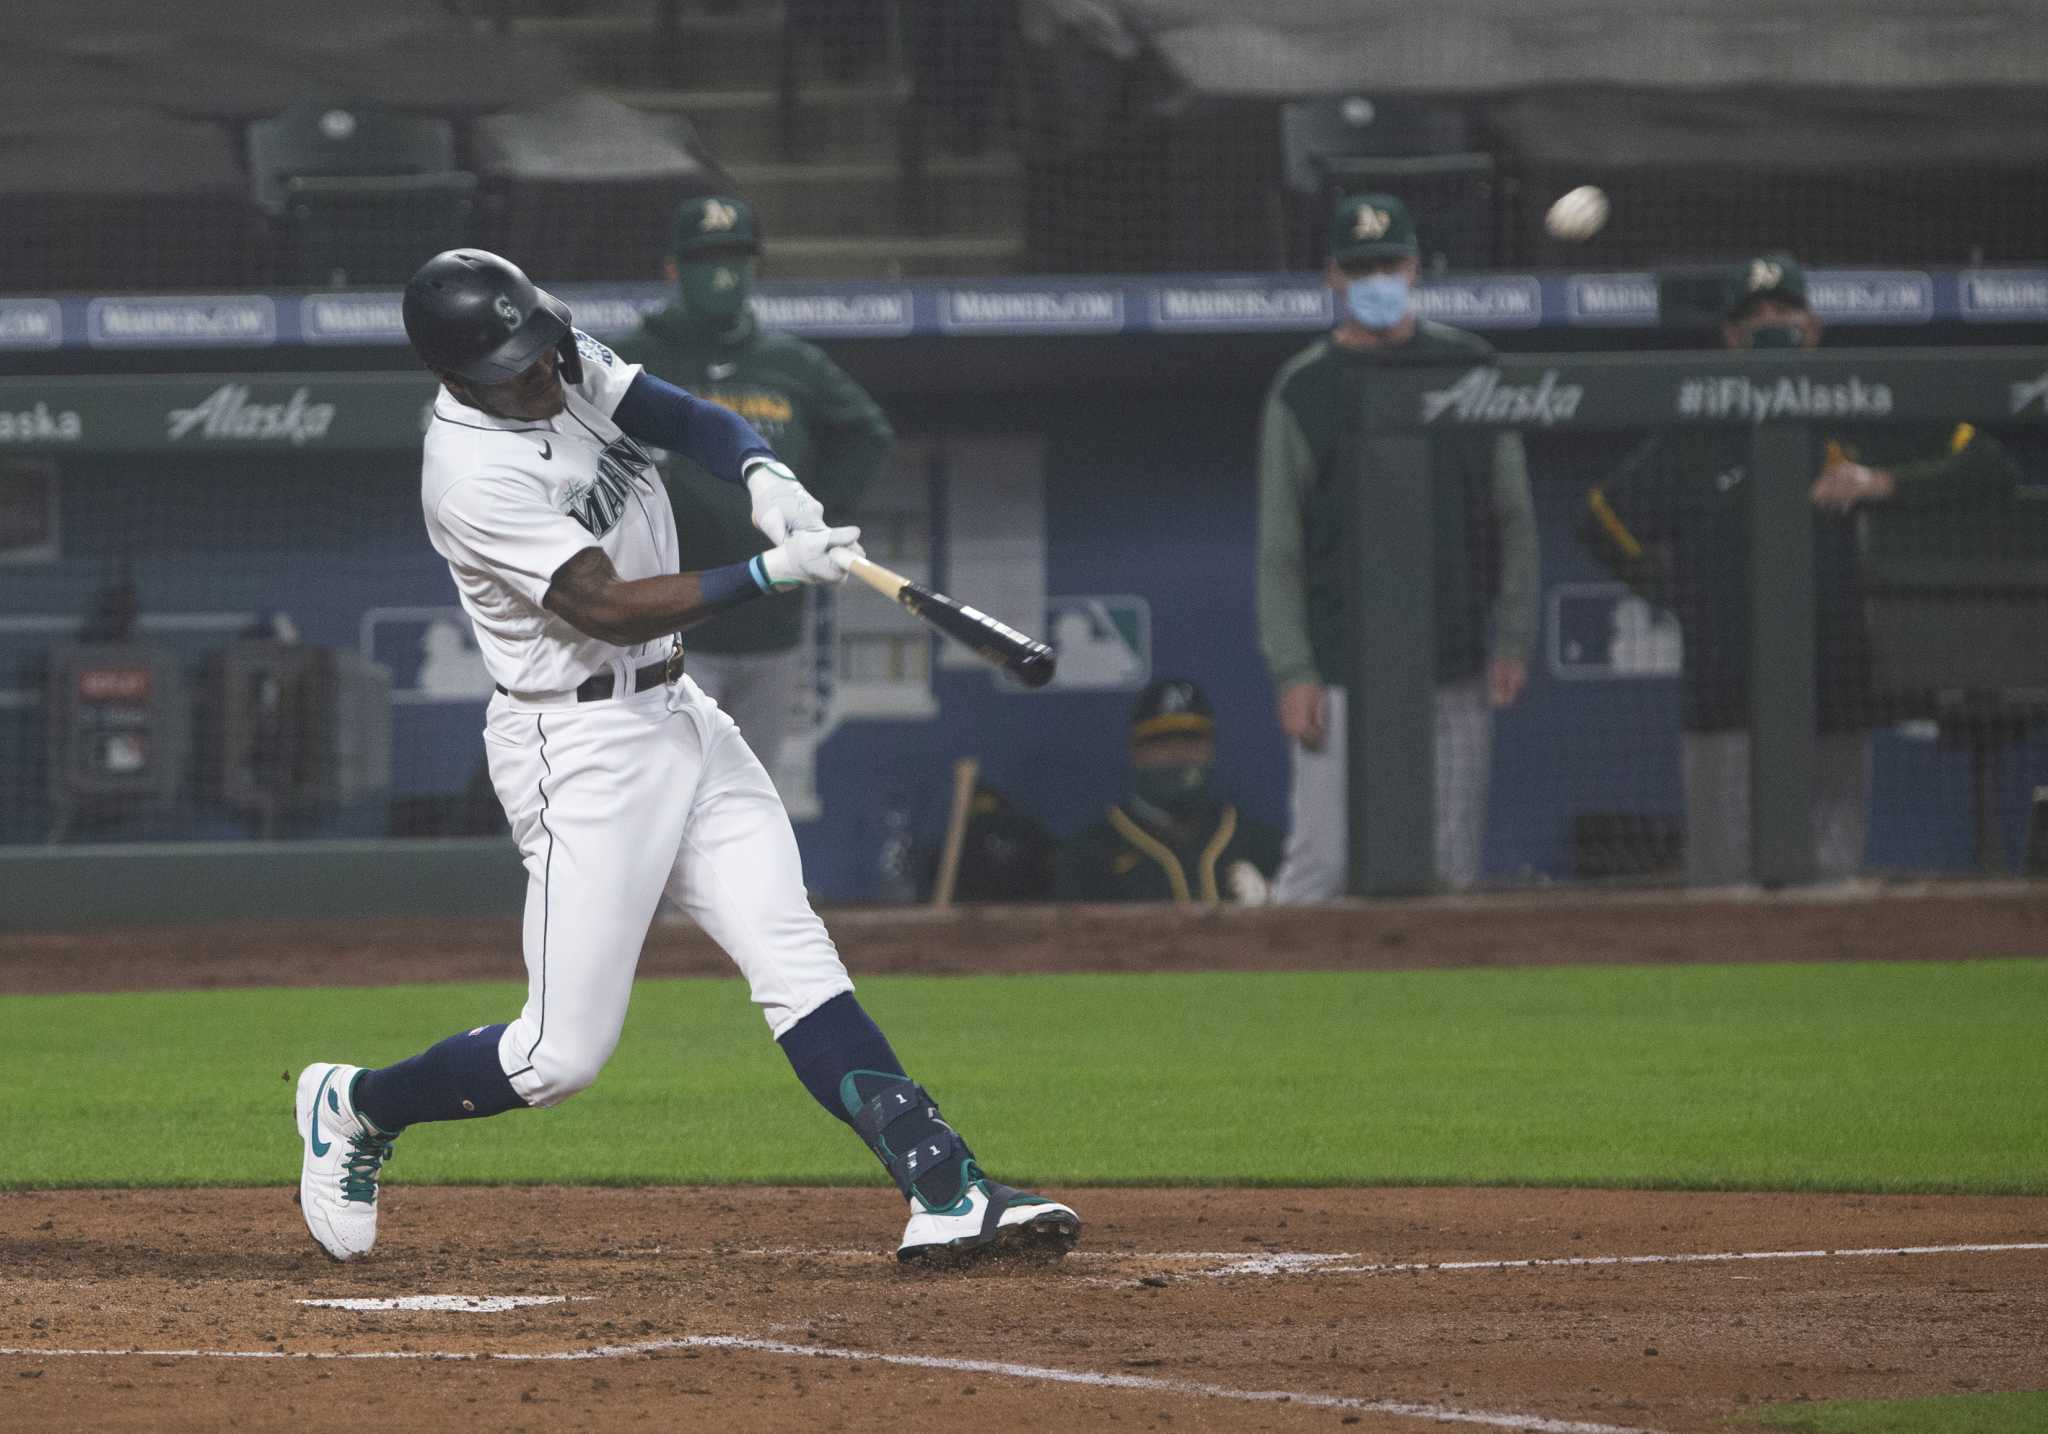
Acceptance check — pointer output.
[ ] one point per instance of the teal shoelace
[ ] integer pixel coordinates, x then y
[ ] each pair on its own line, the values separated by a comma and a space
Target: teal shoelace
367, 1154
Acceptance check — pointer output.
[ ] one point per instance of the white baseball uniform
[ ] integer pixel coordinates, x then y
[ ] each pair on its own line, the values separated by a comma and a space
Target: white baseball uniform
611, 801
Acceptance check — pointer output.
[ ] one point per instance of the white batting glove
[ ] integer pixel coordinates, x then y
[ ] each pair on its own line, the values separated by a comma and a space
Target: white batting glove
815, 556
782, 505
1246, 884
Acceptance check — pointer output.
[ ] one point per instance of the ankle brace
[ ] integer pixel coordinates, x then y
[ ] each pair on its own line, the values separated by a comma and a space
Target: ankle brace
922, 1153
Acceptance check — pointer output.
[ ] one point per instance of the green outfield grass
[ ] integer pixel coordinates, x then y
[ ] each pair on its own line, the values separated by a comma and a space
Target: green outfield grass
1950, 1414
1864, 1077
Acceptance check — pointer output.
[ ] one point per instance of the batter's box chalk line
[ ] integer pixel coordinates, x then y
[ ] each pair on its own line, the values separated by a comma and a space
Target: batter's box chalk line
457, 1304
1228, 1264
1435, 1413
1282, 1264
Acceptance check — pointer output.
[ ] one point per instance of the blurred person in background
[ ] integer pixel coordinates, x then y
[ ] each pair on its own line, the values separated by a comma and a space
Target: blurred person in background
1486, 563
1673, 523
1175, 837
750, 660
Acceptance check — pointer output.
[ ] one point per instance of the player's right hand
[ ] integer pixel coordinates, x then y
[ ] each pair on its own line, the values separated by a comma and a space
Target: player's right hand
1305, 713
813, 556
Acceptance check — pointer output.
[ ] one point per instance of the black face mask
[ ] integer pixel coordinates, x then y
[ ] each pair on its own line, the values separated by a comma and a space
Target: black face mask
1176, 790
1777, 336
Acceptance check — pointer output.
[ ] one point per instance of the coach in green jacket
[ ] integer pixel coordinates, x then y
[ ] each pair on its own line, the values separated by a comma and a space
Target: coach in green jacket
818, 420
1673, 523
1486, 568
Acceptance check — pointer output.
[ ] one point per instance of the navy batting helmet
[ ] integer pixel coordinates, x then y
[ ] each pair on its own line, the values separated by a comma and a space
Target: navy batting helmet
477, 316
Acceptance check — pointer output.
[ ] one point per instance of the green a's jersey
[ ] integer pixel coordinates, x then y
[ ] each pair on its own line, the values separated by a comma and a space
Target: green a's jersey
816, 418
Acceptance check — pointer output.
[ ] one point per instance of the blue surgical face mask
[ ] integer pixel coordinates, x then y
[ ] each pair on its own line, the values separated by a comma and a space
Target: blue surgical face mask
1379, 301
1777, 336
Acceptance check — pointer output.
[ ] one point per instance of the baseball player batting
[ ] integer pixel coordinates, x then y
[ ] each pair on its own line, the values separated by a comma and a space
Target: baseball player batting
621, 780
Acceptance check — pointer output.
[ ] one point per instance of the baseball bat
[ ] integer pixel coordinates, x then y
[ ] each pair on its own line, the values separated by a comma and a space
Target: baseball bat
964, 772
1029, 661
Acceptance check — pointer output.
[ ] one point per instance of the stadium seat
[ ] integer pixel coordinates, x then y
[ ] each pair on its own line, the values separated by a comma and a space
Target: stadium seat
584, 188
357, 193
1421, 150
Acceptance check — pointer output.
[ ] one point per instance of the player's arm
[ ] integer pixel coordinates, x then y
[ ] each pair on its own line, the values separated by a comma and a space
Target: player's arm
587, 592
1514, 509
853, 436
1623, 525
724, 445
1974, 468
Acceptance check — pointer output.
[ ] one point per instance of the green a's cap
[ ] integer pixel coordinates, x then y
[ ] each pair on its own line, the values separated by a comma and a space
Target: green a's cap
1372, 226
716, 221
1768, 276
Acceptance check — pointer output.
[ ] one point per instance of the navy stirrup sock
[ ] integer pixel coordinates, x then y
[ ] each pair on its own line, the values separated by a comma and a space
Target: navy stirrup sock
460, 1078
845, 1061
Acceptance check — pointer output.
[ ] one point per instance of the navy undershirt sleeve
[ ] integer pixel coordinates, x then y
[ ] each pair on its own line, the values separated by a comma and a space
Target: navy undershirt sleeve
717, 439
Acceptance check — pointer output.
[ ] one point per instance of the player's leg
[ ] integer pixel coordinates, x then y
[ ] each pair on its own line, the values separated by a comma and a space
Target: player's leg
1464, 766
1716, 807
1841, 803
740, 877
1317, 856
596, 798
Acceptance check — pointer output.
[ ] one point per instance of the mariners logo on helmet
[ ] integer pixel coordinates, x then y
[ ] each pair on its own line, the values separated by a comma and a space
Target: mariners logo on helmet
1370, 223
506, 310
1763, 274
718, 216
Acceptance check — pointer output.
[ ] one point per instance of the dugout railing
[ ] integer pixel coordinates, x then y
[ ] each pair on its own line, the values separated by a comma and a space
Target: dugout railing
1399, 411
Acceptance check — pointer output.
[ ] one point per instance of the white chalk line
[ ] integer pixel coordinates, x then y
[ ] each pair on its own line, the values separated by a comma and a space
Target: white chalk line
1326, 1264
455, 1304
1435, 1413
1231, 1263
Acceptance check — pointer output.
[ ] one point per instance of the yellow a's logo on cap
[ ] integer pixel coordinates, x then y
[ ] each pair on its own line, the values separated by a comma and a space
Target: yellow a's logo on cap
1370, 223
717, 216
1763, 274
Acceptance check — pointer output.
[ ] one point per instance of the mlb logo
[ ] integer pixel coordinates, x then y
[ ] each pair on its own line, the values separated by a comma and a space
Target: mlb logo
1602, 631
430, 652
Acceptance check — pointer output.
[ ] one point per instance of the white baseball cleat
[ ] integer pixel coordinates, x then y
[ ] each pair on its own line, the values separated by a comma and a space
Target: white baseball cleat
989, 1219
344, 1152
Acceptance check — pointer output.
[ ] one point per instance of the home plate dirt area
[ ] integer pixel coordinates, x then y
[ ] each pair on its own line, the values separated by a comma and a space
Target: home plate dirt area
784, 1309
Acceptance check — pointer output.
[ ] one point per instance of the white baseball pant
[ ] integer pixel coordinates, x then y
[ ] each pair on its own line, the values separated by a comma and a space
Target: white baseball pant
613, 804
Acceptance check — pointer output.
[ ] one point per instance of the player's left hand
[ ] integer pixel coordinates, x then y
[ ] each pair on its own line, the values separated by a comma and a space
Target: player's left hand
1843, 484
1505, 679
781, 504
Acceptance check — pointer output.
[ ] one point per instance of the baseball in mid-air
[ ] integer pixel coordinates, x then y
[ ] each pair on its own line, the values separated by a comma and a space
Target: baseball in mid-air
1577, 215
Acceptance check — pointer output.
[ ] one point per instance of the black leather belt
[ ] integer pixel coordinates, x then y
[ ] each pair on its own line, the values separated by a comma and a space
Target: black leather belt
600, 687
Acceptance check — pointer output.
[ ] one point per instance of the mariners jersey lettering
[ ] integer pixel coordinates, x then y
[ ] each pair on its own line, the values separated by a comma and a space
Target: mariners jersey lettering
509, 500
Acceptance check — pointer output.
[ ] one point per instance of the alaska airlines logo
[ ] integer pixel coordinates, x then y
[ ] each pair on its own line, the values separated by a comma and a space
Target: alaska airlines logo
2025, 395
41, 424
1480, 397
600, 501
227, 414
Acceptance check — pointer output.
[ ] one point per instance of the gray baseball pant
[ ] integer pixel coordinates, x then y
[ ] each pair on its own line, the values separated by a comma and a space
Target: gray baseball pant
1318, 855
1717, 806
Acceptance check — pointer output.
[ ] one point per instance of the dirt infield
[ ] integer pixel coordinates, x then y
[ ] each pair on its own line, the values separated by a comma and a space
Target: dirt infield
1578, 1312
744, 1308
1924, 922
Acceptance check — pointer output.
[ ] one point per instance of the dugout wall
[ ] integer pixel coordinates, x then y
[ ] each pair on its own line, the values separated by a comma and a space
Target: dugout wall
297, 493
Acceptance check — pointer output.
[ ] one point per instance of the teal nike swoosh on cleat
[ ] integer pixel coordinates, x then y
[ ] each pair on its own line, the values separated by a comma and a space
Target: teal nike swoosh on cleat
321, 1147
